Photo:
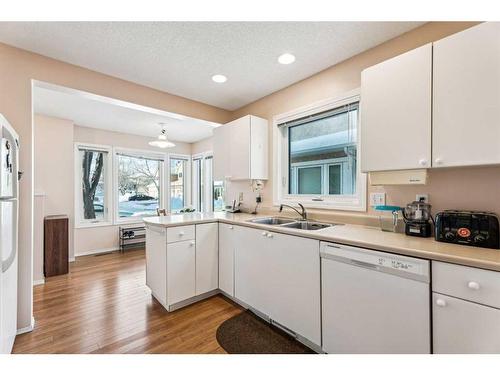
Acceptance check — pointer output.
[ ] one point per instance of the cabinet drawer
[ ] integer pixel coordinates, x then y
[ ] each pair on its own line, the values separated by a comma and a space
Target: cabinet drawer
183, 233
462, 327
472, 284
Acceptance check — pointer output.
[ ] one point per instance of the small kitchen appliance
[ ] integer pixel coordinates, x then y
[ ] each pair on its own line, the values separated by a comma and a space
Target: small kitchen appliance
473, 228
417, 216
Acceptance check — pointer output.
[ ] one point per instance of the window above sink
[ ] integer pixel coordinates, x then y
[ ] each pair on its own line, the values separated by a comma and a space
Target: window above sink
317, 152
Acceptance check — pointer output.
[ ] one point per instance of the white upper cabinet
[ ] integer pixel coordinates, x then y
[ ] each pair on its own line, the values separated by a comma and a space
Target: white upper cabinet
241, 149
396, 112
466, 97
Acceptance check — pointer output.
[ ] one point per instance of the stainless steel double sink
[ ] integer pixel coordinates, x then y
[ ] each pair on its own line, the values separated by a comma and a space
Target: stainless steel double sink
291, 223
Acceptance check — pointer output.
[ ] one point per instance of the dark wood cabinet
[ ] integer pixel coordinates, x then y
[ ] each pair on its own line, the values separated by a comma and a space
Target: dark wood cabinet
56, 245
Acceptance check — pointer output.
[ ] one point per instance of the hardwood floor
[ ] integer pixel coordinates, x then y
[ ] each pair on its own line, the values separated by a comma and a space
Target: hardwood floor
104, 306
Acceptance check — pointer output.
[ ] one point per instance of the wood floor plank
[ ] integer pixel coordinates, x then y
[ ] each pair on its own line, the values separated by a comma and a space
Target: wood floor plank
103, 306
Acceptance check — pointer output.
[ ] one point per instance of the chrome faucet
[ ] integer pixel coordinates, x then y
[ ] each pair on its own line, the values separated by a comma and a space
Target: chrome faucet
303, 214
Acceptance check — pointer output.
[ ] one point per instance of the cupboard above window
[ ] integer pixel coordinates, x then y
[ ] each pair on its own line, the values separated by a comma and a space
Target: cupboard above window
241, 150
435, 106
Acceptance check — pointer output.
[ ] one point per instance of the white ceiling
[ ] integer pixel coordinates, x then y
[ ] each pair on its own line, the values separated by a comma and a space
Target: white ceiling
181, 57
95, 111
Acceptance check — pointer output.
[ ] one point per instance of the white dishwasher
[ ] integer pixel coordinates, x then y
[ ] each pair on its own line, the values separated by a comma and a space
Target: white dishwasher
374, 302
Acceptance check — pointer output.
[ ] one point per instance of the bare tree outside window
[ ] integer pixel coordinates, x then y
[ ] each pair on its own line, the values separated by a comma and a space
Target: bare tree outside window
138, 185
92, 184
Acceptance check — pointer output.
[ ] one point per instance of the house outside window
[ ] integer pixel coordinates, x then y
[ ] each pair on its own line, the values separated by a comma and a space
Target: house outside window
317, 153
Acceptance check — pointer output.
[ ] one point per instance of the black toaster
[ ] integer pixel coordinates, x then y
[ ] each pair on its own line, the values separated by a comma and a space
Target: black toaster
473, 228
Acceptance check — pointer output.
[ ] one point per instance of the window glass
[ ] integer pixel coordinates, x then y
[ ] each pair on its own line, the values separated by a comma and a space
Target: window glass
309, 180
322, 153
218, 187
334, 179
94, 205
177, 184
138, 186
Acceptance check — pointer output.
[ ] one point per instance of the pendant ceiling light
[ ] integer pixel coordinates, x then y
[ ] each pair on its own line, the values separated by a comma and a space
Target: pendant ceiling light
162, 140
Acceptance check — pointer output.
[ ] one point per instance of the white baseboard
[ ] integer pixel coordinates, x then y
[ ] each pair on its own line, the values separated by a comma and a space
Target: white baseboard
38, 282
29, 328
72, 259
96, 251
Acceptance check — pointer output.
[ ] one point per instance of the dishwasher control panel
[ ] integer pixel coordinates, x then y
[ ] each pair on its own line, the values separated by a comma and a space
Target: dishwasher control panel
377, 260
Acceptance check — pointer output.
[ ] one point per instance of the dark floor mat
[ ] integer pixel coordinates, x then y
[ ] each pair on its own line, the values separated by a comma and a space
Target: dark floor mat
246, 333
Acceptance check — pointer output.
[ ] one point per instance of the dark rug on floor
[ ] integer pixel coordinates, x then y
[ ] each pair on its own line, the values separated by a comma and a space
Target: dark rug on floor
246, 333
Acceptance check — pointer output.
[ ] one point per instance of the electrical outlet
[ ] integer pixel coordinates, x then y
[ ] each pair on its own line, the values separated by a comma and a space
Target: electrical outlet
377, 199
240, 198
423, 197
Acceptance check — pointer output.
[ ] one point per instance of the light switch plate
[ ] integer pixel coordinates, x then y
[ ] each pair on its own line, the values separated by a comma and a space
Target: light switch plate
377, 199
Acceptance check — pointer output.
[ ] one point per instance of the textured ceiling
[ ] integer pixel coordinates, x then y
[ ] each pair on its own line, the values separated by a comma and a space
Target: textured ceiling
181, 57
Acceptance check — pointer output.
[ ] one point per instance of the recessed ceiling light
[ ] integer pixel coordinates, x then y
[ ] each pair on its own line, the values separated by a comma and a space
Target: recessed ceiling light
219, 78
286, 58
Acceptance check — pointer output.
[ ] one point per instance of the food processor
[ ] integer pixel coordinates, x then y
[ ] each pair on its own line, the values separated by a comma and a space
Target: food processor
417, 217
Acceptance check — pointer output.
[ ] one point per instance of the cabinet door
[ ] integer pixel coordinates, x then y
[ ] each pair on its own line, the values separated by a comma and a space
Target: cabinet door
181, 276
221, 142
226, 258
156, 262
253, 273
396, 112
207, 257
295, 284
239, 145
463, 327
466, 97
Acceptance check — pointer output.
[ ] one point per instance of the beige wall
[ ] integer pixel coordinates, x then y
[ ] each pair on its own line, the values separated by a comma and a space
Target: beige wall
472, 188
17, 70
202, 146
53, 149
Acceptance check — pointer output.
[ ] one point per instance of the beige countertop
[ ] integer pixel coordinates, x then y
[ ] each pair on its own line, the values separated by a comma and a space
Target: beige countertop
356, 235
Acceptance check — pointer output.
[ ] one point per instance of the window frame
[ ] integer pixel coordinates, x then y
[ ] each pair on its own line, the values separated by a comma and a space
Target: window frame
80, 222
207, 191
187, 180
135, 153
281, 167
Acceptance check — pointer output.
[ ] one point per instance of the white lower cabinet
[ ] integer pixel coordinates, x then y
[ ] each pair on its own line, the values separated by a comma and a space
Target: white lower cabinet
465, 309
181, 262
181, 269
207, 255
226, 258
156, 262
464, 327
279, 276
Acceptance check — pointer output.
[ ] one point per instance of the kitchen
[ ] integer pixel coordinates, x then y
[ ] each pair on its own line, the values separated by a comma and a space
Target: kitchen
358, 216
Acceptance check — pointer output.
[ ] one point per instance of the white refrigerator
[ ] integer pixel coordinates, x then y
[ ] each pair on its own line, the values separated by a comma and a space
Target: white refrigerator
9, 154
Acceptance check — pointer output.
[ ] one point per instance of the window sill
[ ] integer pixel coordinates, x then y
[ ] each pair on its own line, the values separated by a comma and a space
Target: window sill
93, 225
